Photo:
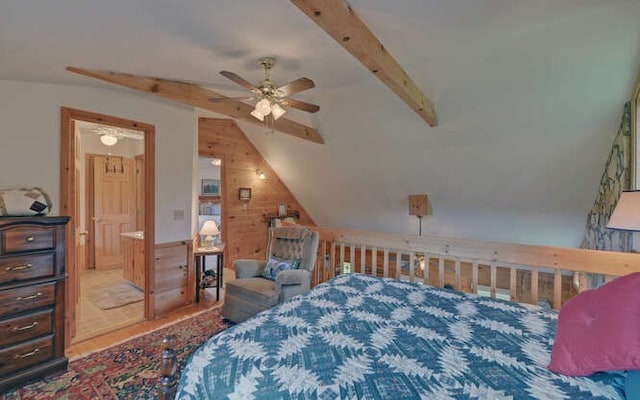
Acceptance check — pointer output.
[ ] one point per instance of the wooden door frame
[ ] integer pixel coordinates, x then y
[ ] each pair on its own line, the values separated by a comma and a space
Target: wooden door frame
67, 194
222, 156
88, 183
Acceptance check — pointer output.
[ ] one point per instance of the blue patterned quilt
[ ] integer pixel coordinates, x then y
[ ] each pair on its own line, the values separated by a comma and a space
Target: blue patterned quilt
362, 337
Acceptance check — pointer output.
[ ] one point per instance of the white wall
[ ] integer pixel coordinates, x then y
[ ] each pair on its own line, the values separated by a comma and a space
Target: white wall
208, 170
30, 143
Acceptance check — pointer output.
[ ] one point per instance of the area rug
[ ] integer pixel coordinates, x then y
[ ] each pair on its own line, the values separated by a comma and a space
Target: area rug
115, 296
129, 370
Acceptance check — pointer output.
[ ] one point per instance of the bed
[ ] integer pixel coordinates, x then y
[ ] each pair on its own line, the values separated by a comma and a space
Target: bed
363, 337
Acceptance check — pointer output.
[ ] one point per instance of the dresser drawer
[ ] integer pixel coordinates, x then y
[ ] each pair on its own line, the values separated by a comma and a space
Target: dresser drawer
27, 298
26, 354
26, 238
20, 329
19, 268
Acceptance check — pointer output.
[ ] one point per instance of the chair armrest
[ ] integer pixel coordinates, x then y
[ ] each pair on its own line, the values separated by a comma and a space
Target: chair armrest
293, 277
248, 268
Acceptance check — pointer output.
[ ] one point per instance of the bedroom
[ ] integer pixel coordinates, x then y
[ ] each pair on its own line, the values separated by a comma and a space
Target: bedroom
529, 98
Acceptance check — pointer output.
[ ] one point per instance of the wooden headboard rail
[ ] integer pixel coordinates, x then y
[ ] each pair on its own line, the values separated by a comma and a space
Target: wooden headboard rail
526, 272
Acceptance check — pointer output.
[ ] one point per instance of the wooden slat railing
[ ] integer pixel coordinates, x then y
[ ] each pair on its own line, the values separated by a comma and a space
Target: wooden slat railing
526, 272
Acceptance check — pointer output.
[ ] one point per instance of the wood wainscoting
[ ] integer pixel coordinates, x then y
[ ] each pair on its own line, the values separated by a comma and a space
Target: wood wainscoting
174, 276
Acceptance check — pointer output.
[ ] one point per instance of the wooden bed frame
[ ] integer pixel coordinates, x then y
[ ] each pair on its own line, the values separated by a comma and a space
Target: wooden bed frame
527, 273
168, 370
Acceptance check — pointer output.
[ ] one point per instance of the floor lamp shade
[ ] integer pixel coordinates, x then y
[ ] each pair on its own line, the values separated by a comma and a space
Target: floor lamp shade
626, 215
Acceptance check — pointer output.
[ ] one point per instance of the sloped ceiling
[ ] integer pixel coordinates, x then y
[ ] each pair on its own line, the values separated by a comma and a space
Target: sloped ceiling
528, 94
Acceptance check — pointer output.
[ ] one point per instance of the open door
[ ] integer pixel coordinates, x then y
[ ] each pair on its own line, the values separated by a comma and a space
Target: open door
71, 184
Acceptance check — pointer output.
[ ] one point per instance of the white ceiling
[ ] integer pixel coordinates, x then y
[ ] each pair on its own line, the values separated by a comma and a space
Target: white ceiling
92, 128
529, 95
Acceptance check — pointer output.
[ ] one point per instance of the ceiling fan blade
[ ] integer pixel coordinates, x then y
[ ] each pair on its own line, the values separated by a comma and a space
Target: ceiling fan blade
237, 79
294, 87
301, 105
219, 99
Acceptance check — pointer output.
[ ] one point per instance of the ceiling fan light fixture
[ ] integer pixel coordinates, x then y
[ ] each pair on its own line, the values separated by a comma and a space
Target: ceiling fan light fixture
108, 140
257, 114
277, 111
264, 107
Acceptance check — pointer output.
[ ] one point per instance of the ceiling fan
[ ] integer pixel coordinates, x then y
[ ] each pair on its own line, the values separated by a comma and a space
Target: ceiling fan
270, 98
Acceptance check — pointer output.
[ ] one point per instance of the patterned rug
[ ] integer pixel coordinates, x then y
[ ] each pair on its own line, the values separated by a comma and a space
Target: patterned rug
129, 370
116, 296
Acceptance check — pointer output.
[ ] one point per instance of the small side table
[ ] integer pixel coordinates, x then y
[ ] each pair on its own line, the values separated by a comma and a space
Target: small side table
200, 254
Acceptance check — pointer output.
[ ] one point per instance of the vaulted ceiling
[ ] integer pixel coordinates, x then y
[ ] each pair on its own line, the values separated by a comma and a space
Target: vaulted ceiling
528, 96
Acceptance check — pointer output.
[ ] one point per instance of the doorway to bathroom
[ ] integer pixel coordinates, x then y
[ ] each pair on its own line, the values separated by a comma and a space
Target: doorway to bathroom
108, 267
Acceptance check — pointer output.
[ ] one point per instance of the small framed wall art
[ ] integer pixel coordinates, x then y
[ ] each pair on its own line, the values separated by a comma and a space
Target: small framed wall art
210, 187
244, 194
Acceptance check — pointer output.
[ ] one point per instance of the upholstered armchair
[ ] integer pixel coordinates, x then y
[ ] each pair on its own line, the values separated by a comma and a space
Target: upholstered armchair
287, 272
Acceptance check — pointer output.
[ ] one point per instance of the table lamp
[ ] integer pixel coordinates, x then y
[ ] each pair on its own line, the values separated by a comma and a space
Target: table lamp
419, 206
209, 230
626, 215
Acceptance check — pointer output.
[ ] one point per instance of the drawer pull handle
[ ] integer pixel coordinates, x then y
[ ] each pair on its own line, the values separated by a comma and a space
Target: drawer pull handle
25, 355
33, 296
30, 239
19, 267
26, 327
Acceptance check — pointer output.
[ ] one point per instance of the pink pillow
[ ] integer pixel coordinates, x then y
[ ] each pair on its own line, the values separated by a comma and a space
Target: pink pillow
599, 330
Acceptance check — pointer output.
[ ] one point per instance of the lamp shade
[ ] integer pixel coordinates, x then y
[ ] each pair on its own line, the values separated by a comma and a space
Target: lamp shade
257, 114
626, 215
419, 205
209, 229
277, 111
264, 107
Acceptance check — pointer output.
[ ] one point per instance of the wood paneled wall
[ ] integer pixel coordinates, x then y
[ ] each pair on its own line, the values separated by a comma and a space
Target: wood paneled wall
174, 279
244, 230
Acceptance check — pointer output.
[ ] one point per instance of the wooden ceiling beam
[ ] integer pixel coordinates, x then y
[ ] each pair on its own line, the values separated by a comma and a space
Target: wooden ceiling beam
194, 95
338, 19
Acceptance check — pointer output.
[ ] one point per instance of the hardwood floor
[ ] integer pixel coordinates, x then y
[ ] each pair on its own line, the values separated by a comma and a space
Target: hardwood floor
89, 345
93, 321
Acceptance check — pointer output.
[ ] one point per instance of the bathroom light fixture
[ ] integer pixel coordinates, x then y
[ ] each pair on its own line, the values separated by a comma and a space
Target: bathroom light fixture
216, 162
110, 135
108, 139
260, 174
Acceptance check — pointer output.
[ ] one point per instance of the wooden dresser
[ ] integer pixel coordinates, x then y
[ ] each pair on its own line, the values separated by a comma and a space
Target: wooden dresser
32, 277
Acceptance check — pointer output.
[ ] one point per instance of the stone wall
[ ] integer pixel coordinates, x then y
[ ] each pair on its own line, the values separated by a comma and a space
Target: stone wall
615, 179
